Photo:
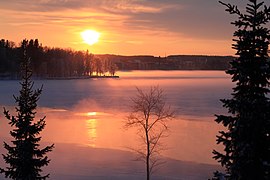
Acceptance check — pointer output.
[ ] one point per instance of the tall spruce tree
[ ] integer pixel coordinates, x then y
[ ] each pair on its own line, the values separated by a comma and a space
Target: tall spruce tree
24, 157
246, 141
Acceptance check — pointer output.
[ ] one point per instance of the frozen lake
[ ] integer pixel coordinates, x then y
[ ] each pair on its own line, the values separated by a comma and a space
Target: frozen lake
87, 116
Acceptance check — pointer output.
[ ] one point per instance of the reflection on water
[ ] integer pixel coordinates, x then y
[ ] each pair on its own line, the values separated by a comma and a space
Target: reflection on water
91, 125
88, 112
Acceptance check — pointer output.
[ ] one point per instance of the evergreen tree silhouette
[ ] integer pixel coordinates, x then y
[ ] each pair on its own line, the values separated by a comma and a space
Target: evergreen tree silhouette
24, 157
246, 141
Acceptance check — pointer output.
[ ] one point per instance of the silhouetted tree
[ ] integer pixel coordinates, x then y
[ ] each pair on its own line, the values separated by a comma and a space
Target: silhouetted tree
246, 141
112, 68
88, 64
24, 157
3, 56
7, 56
79, 60
35, 51
99, 66
149, 115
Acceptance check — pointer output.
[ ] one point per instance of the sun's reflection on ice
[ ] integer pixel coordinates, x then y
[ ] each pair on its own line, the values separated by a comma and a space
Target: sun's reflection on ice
91, 125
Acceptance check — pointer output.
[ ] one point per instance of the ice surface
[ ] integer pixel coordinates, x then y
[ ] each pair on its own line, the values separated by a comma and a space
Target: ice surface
85, 118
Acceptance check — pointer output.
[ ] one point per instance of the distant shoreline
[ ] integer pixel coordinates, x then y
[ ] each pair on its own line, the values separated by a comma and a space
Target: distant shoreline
80, 77
62, 78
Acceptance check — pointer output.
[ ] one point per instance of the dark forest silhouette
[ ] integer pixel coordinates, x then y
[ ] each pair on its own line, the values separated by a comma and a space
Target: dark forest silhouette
52, 62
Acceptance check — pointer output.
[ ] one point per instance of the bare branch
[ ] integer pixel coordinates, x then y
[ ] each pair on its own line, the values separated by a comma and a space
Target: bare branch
149, 114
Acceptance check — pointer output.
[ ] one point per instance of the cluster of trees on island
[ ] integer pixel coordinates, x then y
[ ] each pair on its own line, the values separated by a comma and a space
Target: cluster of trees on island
52, 62
246, 138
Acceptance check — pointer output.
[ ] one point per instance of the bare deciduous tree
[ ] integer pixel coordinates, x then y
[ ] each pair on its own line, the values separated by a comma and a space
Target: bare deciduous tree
149, 115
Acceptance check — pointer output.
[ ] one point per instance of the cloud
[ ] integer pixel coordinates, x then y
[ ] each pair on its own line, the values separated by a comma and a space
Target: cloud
185, 18
197, 19
114, 6
76, 12
131, 20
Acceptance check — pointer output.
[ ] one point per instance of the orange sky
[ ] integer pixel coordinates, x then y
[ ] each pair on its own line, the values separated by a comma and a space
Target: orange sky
127, 27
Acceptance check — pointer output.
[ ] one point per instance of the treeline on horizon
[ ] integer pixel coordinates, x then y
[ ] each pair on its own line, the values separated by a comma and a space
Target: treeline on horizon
51, 62
172, 62
47, 62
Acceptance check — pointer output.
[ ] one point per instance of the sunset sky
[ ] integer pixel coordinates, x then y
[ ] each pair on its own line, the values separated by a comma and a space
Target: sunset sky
126, 27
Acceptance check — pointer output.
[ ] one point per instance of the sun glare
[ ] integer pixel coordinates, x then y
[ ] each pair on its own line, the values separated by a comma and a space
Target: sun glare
90, 36
91, 113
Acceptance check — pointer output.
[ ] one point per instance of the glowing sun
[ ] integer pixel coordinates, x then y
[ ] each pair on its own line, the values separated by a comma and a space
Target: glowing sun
90, 36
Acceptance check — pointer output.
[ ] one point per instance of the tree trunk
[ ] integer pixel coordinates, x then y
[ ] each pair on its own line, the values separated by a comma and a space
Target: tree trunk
148, 157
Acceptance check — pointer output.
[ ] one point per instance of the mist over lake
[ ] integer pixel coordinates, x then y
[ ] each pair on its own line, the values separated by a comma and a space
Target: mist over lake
89, 113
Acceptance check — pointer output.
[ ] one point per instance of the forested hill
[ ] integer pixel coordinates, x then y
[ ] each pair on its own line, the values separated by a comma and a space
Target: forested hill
173, 62
49, 62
